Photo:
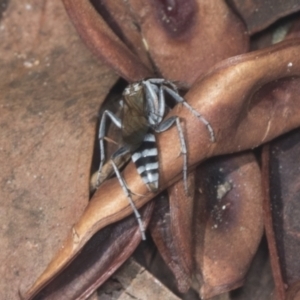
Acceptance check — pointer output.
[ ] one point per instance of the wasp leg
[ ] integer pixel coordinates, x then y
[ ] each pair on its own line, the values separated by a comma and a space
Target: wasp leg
120, 152
165, 125
102, 129
161, 103
155, 105
121, 155
179, 99
162, 81
128, 194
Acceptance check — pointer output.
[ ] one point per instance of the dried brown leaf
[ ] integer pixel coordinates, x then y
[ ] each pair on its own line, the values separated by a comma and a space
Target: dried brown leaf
259, 14
97, 261
227, 97
171, 230
51, 89
172, 35
186, 38
284, 194
102, 41
228, 221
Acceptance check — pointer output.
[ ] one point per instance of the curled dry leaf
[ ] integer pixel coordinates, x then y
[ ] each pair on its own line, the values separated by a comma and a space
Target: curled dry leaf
227, 97
98, 260
178, 44
171, 230
167, 31
260, 14
280, 181
273, 253
100, 38
284, 194
120, 18
228, 221
227, 210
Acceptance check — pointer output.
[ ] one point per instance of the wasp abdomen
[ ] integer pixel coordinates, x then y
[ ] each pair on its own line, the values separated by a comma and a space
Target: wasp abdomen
146, 161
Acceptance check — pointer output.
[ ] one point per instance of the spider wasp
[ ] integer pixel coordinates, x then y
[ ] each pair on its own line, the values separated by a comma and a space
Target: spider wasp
143, 109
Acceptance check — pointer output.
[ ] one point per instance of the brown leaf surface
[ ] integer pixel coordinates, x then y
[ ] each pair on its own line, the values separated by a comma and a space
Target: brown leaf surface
259, 283
280, 181
51, 88
259, 14
284, 193
120, 18
171, 230
228, 221
98, 260
102, 41
167, 32
186, 38
241, 118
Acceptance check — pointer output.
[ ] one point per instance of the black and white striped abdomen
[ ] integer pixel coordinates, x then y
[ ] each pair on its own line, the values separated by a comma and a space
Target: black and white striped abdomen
146, 161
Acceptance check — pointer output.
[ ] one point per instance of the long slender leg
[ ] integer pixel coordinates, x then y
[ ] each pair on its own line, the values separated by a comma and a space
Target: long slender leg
162, 81
153, 102
102, 129
161, 103
128, 194
150, 88
179, 99
165, 125
120, 152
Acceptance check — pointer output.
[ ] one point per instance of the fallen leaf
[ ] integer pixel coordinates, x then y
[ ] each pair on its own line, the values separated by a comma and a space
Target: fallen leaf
171, 230
260, 14
51, 90
97, 261
167, 33
237, 112
285, 209
228, 221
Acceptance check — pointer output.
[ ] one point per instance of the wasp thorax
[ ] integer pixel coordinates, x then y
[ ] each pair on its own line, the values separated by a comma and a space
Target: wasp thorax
134, 98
